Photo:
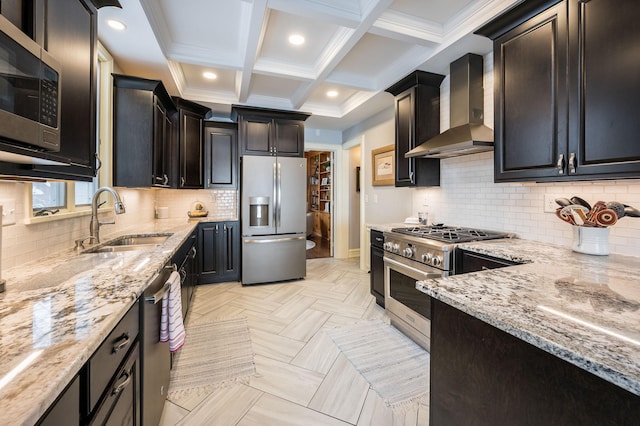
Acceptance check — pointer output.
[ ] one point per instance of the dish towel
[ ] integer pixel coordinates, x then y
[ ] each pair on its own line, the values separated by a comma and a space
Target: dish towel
171, 325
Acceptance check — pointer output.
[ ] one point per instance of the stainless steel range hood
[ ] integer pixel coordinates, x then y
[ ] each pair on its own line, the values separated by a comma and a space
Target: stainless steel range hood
467, 134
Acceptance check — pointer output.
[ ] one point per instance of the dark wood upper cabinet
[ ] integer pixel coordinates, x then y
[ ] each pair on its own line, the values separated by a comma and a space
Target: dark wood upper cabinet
565, 90
189, 143
67, 29
221, 155
417, 119
270, 132
143, 132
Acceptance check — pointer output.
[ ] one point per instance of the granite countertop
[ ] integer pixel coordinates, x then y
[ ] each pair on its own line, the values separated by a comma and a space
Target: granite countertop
581, 308
57, 311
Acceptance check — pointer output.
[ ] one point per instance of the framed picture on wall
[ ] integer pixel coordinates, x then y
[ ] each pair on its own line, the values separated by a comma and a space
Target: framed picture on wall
383, 160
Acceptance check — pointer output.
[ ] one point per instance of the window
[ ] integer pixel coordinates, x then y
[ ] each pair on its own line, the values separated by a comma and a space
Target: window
61, 199
49, 195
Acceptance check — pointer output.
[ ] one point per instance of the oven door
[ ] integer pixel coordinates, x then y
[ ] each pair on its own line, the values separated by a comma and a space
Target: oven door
408, 308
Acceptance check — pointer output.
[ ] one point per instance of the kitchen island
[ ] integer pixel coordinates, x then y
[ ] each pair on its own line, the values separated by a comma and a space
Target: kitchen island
552, 341
57, 311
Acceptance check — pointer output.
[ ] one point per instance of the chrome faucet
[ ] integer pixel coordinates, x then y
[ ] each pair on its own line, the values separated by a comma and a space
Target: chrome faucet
95, 222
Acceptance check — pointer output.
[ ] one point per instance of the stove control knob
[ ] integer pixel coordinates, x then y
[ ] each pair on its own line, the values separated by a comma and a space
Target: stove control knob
396, 248
386, 246
437, 261
426, 258
408, 252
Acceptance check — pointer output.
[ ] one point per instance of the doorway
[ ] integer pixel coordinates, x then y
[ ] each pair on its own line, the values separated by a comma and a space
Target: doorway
320, 174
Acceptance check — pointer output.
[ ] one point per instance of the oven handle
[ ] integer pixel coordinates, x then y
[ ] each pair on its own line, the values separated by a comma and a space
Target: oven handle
422, 274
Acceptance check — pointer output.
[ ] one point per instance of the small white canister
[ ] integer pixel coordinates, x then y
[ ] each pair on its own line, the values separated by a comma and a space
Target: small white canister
591, 240
162, 212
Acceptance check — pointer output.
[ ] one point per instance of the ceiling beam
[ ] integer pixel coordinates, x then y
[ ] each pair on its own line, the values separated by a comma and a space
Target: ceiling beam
254, 23
375, 9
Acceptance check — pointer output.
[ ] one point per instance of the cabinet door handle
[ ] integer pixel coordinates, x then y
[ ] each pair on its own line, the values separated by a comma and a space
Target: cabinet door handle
99, 166
127, 379
560, 164
166, 180
194, 251
181, 181
572, 163
121, 343
411, 177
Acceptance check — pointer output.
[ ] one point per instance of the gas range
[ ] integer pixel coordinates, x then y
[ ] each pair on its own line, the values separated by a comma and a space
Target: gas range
433, 245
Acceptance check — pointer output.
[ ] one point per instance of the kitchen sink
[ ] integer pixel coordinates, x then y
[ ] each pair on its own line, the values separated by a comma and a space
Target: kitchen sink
137, 240
130, 243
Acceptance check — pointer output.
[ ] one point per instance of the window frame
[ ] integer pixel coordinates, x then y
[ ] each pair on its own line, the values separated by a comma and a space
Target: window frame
104, 149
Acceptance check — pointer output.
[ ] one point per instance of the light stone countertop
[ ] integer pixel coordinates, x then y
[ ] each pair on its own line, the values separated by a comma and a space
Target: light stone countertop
581, 308
57, 311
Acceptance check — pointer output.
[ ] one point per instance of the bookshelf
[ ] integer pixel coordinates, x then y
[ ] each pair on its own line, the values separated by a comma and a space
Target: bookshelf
319, 185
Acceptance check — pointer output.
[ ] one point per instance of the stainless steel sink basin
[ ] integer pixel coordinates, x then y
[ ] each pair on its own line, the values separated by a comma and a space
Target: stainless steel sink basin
130, 243
136, 240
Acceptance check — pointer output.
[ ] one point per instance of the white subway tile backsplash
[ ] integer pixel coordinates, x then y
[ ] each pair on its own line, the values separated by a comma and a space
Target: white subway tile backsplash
22, 242
469, 197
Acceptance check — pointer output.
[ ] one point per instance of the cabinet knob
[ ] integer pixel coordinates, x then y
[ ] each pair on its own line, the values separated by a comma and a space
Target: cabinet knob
560, 164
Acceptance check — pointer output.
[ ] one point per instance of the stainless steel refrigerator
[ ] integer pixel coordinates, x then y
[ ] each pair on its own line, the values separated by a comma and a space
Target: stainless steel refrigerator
273, 208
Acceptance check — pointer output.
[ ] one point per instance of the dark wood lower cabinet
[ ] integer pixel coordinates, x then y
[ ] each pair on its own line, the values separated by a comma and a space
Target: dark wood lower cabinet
219, 252
483, 376
66, 409
376, 277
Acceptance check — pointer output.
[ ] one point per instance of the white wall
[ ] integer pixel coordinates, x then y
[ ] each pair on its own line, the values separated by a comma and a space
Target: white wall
382, 204
354, 200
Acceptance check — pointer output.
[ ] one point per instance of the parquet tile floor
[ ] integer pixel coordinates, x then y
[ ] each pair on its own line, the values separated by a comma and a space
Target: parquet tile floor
302, 379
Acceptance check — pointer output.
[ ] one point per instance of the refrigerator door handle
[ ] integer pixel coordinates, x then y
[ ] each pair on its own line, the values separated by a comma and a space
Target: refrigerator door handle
279, 240
279, 208
275, 195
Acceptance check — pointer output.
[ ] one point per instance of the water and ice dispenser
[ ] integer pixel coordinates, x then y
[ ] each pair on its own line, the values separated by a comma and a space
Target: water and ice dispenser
258, 211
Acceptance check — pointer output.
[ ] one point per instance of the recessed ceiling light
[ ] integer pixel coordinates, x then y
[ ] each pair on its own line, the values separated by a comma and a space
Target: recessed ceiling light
209, 75
116, 25
296, 39
332, 93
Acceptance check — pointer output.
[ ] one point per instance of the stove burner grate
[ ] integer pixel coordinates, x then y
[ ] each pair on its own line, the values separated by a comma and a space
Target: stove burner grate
449, 233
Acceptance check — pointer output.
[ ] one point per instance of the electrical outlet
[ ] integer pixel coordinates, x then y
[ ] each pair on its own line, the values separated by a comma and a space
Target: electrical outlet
8, 212
550, 205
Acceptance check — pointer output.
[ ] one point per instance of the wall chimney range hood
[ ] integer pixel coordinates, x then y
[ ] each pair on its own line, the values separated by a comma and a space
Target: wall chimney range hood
468, 134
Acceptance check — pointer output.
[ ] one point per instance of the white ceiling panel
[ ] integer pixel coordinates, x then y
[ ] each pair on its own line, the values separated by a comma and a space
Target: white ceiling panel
357, 47
432, 10
276, 87
371, 55
280, 26
225, 80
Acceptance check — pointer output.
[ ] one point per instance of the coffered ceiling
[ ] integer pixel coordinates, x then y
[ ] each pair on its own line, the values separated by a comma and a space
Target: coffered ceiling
353, 48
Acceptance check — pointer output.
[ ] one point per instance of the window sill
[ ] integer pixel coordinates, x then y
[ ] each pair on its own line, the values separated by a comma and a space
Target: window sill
33, 220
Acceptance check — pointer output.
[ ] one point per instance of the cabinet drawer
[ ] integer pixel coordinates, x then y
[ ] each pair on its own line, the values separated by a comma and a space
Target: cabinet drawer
105, 361
120, 405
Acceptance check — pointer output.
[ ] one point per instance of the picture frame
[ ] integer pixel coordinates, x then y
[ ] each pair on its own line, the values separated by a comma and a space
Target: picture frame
383, 166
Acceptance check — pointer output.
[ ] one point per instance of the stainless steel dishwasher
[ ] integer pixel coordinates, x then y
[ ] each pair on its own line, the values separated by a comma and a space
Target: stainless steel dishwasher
154, 354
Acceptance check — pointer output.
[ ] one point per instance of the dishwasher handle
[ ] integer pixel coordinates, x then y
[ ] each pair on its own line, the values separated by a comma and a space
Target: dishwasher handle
157, 297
